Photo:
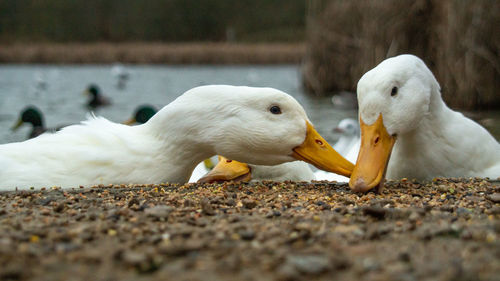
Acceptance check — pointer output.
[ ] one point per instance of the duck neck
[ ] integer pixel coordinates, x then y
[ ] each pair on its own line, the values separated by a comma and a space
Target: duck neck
344, 144
181, 136
432, 129
37, 122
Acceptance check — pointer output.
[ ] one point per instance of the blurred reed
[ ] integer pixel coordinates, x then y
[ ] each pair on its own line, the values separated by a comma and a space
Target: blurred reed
458, 40
153, 53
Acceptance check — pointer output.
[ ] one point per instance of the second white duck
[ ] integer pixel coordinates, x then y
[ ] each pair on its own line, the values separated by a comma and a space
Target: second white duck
408, 131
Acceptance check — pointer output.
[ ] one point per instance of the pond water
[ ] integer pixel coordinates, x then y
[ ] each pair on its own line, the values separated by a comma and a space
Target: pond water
62, 101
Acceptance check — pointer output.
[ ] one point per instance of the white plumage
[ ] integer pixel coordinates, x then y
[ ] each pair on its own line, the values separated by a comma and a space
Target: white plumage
432, 140
224, 120
347, 146
291, 171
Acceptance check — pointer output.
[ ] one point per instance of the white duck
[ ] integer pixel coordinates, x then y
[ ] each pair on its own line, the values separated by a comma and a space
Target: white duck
403, 118
347, 146
256, 125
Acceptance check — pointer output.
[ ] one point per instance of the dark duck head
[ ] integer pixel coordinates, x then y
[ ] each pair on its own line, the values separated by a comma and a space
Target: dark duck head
97, 99
33, 116
142, 114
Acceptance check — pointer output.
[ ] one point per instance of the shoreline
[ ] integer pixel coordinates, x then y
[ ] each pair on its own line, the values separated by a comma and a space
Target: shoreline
152, 53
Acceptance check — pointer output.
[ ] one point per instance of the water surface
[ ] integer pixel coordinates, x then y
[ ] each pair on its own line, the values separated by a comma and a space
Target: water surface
62, 102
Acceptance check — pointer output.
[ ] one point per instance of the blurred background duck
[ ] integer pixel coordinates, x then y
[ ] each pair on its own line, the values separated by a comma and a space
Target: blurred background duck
141, 114
255, 125
33, 116
349, 141
40, 81
344, 100
97, 99
121, 74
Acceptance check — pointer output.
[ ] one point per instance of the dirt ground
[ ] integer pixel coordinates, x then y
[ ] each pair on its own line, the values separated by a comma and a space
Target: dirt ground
448, 229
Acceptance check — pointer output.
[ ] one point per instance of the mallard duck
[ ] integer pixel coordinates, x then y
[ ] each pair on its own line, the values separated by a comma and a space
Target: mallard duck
141, 115
407, 131
97, 99
262, 126
33, 116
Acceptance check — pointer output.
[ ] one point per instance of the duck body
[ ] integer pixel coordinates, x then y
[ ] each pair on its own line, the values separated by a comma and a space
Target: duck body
204, 121
407, 131
95, 152
445, 144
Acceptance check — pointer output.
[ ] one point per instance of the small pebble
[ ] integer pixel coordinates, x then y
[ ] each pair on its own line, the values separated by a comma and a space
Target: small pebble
495, 197
159, 212
206, 207
249, 204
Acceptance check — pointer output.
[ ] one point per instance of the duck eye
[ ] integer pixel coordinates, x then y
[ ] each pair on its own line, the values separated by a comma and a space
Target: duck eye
275, 109
394, 91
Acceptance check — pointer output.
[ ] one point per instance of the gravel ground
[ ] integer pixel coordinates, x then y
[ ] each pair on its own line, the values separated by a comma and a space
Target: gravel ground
448, 229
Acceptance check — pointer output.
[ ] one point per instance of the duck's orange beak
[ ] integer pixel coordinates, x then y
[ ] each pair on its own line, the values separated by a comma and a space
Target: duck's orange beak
373, 157
316, 151
228, 170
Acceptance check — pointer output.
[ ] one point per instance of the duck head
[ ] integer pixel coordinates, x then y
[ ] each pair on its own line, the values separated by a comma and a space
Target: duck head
142, 114
393, 99
31, 115
93, 90
261, 126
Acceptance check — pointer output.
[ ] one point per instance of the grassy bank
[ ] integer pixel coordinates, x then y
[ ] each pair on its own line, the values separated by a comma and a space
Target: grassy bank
152, 53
